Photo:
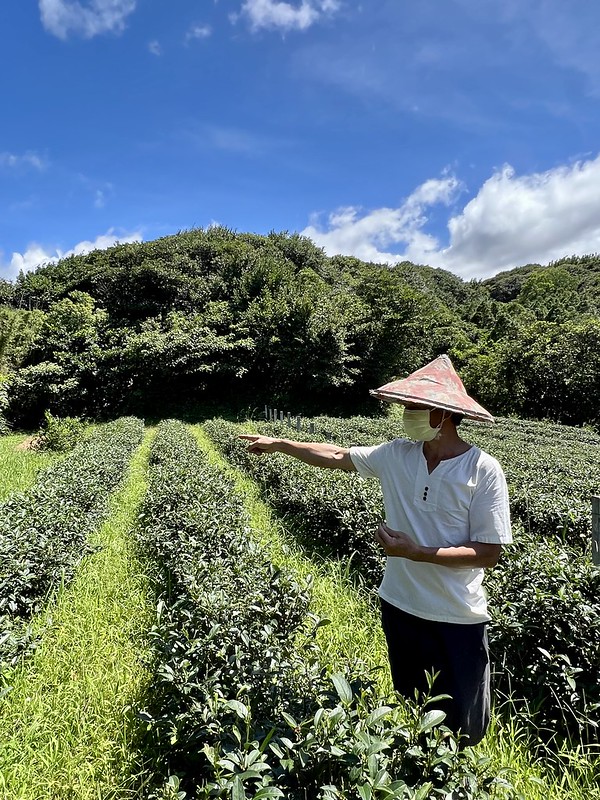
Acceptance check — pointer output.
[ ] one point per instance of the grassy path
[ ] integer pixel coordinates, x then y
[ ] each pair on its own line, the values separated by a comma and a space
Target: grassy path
65, 728
355, 633
19, 467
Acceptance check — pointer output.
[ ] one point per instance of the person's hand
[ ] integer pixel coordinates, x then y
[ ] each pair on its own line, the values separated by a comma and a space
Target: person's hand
395, 543
260, 444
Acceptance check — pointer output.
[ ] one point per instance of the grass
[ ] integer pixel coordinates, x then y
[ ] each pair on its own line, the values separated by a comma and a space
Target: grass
19, 467
355, 632
66, 730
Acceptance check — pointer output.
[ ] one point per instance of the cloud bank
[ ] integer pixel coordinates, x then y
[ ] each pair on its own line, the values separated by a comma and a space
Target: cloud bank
512, 220
36, 255
64, 17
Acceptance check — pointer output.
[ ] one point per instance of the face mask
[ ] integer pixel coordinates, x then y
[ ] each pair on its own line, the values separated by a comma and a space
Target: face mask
416, 425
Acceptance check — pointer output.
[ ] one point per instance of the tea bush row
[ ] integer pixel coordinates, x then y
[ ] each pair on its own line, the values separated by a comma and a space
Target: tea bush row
544, 596
44, 531
240, 705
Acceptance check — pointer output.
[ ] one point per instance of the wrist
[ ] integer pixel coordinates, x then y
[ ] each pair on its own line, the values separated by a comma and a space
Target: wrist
420, 553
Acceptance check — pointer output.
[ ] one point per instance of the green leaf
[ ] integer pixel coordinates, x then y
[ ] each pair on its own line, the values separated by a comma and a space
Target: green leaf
239, 708
268, 793
378, 714
431, 719
289, 719
237, 789
342, 687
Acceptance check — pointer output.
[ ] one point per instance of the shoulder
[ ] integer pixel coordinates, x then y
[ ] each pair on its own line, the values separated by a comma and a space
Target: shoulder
486, 462
375, 459
487, 471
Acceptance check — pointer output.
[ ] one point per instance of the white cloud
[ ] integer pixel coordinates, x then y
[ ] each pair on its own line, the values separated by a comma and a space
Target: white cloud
36, 255
198, 32
370, 235
517, 220
273, 14
155, 48
513, 220
12, 161
64, 17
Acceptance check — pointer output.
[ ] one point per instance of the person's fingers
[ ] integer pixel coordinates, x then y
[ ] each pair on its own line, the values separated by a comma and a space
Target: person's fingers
251, 437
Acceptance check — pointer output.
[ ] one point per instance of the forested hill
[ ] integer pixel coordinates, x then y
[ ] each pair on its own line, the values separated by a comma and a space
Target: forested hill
242, 319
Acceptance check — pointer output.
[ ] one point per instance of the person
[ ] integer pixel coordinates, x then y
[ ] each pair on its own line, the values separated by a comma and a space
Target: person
446, 520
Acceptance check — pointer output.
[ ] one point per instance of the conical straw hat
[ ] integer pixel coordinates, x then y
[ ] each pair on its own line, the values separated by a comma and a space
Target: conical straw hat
436, 384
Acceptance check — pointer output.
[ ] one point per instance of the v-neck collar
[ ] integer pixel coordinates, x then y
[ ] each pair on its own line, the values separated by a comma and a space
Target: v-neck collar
442, 460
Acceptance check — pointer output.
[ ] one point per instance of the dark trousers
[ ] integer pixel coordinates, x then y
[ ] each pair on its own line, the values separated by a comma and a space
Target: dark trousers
458, 652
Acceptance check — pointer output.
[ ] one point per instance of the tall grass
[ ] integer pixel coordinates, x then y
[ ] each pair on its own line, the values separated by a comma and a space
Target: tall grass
19, 466
66, 728
355, 633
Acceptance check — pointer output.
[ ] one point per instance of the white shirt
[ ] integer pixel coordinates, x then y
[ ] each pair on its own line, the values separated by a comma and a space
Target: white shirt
464, 499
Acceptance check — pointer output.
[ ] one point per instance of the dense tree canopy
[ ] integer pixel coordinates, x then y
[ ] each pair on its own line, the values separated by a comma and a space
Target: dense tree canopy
242, 319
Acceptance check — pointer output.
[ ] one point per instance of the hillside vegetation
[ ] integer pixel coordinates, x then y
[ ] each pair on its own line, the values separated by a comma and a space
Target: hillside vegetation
243, 319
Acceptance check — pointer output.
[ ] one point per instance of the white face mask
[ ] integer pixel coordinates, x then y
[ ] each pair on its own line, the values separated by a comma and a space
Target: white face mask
416, 425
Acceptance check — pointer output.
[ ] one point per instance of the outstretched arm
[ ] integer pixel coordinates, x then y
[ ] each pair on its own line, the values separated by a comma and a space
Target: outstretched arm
314, 453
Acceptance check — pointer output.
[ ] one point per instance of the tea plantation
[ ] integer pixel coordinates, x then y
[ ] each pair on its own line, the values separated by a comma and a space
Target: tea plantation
237, 699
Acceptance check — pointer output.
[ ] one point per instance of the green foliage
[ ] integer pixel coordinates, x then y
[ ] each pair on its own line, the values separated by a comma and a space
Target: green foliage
7, 292
18, 330
60, 370
213, 313
4, 426
44, 530
60, 433
552, 295
545, 636
544, 370
241, 706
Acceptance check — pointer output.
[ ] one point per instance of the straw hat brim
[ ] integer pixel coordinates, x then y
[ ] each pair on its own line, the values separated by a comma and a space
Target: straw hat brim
472, 411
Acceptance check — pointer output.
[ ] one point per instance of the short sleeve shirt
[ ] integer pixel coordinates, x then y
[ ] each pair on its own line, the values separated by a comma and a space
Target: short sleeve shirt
464, 499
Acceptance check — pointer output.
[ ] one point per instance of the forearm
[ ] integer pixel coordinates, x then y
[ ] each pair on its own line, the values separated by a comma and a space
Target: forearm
471, 556
316, 454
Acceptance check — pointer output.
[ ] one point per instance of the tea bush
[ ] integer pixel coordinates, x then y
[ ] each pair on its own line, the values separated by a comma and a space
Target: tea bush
44, 531
552, 471
544, 599
60, 433
228, 618
240, 705
545, 637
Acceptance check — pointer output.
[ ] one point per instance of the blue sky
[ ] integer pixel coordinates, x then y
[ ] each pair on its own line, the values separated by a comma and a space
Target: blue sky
458, 133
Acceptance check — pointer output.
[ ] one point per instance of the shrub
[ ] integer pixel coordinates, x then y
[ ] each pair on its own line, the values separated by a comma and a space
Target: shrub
545, 637
44, 531
241, 706
60, 433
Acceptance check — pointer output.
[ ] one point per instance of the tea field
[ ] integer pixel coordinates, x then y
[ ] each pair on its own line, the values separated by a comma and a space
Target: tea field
179, 619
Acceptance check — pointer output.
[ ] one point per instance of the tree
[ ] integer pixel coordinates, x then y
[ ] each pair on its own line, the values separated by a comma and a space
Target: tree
551, 294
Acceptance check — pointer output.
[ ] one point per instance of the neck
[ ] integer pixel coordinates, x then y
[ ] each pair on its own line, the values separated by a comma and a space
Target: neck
447, 444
